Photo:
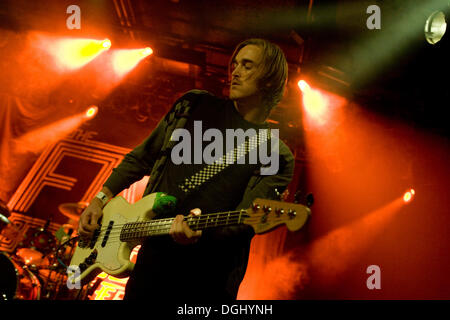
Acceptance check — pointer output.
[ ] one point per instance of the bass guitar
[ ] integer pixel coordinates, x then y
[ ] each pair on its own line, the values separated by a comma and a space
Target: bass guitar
124, 226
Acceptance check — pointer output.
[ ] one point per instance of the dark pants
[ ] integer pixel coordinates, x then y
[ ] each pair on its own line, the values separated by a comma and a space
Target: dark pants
168, 271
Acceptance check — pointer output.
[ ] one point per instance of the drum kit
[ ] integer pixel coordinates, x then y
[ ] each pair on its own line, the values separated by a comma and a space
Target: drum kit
36, 269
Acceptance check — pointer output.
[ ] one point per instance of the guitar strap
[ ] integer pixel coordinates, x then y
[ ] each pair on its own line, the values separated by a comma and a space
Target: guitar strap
175, 119
209, 171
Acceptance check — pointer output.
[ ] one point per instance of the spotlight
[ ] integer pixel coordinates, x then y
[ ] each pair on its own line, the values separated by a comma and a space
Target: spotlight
314, 102
435, 27
106, 43
147, 51
409, 195
303, 85
75, 53
125, 60
91, 112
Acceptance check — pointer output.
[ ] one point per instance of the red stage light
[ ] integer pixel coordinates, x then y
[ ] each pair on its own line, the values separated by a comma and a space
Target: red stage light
91, 112
409, 195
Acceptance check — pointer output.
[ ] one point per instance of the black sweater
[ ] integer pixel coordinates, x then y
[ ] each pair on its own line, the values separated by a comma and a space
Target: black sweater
214, 266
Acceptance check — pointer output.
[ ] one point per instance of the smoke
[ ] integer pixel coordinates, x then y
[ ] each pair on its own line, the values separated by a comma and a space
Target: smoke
286, 276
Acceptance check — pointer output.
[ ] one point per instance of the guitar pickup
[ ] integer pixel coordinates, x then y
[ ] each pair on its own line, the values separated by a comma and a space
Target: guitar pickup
108, 231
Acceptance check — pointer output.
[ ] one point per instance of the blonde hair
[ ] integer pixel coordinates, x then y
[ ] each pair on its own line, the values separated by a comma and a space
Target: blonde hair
274, 73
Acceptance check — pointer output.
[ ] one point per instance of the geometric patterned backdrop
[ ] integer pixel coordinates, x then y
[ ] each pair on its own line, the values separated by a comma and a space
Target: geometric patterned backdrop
72, 170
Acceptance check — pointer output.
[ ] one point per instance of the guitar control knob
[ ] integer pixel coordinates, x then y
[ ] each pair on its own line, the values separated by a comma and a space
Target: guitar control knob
83, 266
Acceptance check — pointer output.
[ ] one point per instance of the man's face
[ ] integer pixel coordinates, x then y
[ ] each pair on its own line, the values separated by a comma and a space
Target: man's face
244, 73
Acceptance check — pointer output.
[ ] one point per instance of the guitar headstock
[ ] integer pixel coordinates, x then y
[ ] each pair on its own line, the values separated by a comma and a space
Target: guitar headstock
264, 215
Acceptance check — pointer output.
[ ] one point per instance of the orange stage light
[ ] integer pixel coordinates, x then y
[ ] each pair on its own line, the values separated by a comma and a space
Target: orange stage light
315, 102
409, 195
303, 85
106, 43
347, 242
147, 51
91, 112
125, 60
36, 140
75, 53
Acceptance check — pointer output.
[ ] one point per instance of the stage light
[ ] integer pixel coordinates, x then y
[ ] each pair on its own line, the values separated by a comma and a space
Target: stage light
314, 102
147, 51
435, 27
106, 43
303, 85
125, 60
75, 53
36, 140
409, 195
91, 112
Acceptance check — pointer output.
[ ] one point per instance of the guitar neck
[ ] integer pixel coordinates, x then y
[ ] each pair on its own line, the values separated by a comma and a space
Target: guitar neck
137, 231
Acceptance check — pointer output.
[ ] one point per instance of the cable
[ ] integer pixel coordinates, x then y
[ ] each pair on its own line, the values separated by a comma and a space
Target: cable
60, 246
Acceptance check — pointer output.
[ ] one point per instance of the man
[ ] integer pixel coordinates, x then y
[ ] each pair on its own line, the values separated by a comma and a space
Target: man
208, 264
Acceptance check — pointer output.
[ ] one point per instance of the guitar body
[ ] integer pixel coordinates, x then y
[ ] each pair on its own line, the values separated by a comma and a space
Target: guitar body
112, 256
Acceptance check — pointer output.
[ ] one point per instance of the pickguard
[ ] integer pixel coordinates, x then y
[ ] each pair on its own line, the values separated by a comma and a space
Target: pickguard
108, 255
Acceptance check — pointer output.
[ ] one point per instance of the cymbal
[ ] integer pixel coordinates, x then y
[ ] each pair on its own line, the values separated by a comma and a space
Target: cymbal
73, 210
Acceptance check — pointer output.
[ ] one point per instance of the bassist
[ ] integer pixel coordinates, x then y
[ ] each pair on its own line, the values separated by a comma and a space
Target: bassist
208, 264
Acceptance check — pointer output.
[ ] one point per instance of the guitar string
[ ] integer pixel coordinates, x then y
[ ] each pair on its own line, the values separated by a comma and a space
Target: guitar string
146, 228
116, 238
170, 220
205, 216
146, 225
199, 221
166, 226
162, 223
136, 235
153, 226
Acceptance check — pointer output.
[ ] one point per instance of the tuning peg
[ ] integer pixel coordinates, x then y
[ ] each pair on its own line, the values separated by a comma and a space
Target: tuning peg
279, 212
292, 213
256, 207
267, 209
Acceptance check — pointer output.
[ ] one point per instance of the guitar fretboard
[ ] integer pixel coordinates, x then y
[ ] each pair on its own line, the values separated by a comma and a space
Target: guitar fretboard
138, 230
